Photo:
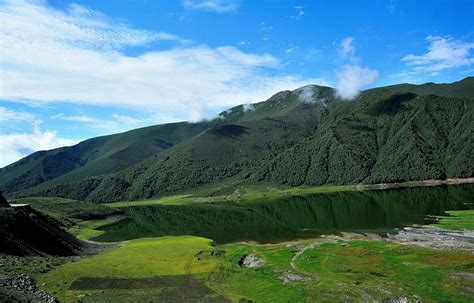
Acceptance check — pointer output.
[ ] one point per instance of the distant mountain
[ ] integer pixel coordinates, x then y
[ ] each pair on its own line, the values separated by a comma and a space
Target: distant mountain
459, 89
306, 136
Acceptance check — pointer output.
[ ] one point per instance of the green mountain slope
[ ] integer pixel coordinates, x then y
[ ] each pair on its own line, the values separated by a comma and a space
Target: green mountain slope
94, 157
307, 136
459, 89
383, 138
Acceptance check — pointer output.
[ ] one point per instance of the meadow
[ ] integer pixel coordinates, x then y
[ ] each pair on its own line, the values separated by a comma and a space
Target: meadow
190, 268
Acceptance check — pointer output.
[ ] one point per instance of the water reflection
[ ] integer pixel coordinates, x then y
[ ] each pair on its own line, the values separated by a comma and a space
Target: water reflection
293, 217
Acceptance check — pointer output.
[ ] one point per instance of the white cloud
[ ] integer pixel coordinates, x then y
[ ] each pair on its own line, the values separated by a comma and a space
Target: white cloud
89, 121
50, 55
353, 78
117, 123
248, 107
16, 146
347, 47
219, 6
8, 116
299, 12
306, 94
442, 53
126, 119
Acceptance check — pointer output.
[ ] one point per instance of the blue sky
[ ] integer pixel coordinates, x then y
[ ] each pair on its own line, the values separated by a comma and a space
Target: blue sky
74, 70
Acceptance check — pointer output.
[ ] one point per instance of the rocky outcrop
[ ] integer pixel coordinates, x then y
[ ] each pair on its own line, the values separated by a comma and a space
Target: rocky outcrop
433, 237
288, 277
26, 286
248, 261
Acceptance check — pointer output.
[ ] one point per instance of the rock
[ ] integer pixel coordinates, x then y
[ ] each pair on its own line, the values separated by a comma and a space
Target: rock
432, 237
27, 285
251, 260
395, 300
288, 277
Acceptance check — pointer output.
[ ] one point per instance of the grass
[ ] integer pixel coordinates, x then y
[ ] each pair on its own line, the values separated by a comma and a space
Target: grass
457, 220
88, 228
141, 258
242, 194
29, 265
182, 268
248, 193
364, 270
175, 199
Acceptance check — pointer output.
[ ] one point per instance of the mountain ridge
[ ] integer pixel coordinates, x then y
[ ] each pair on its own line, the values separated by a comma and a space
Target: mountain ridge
307, 136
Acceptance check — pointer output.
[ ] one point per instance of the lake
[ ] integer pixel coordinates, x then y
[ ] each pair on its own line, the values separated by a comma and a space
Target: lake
295, 217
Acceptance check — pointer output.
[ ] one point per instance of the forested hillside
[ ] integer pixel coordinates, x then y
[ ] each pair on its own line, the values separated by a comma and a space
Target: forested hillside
307, 136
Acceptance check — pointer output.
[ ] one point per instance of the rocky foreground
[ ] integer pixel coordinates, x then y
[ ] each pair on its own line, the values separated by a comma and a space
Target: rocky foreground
25, 287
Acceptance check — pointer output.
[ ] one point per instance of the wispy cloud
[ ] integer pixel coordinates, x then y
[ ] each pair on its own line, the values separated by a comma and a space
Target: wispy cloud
299, 12
8, 115
351, 76
116, 123
88, 121
347, 48
442, 53
218, 6
76, 55
126, 119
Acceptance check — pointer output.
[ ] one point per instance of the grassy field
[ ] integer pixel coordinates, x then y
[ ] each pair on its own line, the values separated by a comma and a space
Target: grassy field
144, 258
88, 228
364, 270
189, 268
458, 220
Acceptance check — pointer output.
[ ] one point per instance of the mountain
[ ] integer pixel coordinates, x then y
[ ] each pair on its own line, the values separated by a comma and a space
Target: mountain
459, 89
306, 136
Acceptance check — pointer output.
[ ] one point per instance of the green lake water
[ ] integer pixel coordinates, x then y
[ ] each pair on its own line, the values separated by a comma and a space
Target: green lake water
294, 217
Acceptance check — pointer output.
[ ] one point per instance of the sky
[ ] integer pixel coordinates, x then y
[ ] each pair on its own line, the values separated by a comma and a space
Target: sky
72, 70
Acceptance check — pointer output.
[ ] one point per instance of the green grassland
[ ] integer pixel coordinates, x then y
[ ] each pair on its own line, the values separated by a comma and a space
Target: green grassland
179, 267
144, 258
457, 220
87, 229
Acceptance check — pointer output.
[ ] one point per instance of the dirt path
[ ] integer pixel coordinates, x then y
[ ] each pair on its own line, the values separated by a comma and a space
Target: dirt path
299, 253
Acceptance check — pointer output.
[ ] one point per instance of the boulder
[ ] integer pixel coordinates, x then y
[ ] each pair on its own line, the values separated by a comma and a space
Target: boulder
251, 260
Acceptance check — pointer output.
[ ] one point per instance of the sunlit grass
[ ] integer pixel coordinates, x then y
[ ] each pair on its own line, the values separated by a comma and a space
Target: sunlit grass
87, 229
458, 220
147, 257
